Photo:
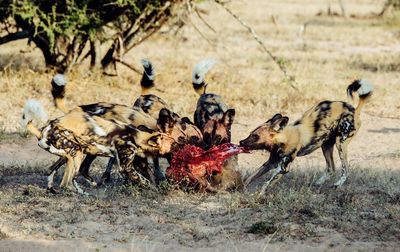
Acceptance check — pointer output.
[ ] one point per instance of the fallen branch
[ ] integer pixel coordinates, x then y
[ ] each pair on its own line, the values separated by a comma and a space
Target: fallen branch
280, 63
14, 36
128, 66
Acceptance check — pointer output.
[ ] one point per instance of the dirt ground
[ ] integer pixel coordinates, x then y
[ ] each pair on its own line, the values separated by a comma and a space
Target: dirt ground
296, 215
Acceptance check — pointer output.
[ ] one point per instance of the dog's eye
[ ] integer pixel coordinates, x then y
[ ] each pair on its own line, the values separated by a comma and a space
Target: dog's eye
218, 139
254, 138
194, 138
181, 139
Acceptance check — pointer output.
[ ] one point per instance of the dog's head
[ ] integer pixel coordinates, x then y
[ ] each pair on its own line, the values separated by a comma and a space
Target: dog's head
181, 130
153, 141
218, 131
144, 139
264, 136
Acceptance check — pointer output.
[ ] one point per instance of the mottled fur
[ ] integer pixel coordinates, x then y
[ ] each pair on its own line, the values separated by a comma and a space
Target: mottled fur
214, 119
325, 125
145, 111
212, 115
77, 133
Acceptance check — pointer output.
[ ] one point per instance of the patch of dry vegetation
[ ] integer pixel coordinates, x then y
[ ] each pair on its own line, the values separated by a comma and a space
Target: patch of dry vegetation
366, 209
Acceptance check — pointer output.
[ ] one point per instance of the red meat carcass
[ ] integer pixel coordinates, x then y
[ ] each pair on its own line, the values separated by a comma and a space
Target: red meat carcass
193, 166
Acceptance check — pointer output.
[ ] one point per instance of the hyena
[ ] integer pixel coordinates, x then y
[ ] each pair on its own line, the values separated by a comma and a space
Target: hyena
327, 124
214, 119
77, 133
148, 109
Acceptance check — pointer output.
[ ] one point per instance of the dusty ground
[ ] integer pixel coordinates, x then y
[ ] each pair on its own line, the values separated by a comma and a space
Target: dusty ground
296, 215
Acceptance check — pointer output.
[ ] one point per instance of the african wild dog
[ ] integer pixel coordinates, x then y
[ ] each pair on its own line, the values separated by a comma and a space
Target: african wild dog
325, 125
149, 110
214, 119
212, 116
77, 133
181, 131
150, 104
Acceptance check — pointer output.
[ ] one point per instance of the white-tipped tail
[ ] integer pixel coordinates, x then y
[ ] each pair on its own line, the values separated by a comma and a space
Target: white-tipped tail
148, 69
59, 80
200, 70
365, 88
362, 87
33, 110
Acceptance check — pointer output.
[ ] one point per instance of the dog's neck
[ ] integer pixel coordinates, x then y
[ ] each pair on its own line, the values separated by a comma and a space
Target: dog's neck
289, 138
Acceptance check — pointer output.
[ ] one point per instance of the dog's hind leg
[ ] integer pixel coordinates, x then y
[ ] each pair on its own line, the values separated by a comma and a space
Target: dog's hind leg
77, 161
54, 168
84, 169
342, 148
327, 150
68, 173
107, 173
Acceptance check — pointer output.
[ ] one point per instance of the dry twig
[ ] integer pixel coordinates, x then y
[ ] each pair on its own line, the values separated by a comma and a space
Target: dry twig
279, 62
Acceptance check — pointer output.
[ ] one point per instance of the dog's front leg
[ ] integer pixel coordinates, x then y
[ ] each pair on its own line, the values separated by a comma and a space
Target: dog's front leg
281, 168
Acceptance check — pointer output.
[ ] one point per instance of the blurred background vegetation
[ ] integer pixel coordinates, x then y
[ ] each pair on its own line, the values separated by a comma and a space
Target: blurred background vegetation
67, 31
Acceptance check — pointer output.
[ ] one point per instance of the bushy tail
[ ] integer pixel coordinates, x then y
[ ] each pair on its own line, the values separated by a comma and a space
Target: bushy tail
58, 84
199, 73
148, 76
364, 90
33, 110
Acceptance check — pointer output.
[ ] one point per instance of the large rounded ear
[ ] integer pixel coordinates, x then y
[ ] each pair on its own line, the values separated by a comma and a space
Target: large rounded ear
186, 120
228, 118
166, 119
154, 141
280, 123
274, 118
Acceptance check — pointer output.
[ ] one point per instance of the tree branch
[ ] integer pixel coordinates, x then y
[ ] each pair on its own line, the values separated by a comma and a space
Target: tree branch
128, 66
14, 36
278, 61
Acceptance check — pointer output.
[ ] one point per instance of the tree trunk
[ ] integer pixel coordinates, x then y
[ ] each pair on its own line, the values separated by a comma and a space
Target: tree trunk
95, 53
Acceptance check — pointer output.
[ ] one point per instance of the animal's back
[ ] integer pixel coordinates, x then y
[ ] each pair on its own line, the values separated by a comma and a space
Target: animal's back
323, 122
209, 107
150, 104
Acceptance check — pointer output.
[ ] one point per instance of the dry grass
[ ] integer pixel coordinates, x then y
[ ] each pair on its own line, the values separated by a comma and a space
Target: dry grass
367, 209
325, 59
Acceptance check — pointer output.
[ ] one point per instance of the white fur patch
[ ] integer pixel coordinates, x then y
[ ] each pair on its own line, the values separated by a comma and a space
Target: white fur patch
200, 70
56, 151
106, 150
42, 143
96, 128
60, 80
33, 110
148, 65
99, 131
366, 87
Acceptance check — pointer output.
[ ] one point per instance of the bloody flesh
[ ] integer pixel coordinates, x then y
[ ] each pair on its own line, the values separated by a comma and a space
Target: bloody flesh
194, 165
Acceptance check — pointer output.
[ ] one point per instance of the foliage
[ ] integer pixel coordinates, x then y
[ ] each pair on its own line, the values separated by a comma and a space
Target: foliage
61, 28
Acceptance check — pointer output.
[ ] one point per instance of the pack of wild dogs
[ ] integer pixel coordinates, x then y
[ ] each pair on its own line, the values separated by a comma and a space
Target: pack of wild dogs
136, 137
